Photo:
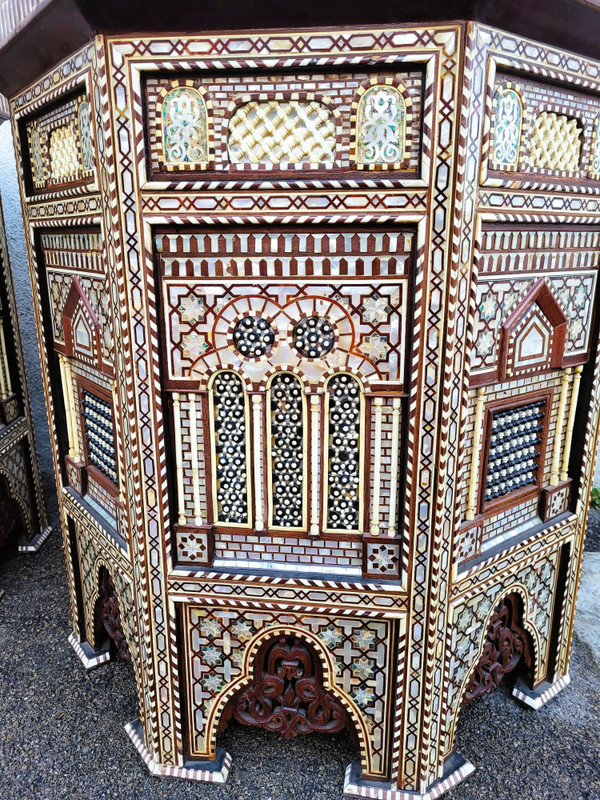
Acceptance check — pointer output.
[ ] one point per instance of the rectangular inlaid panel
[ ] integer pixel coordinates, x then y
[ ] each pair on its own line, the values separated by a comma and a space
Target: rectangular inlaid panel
512, 260
543, 130
350, 121
360, 653
364, 273
60, 145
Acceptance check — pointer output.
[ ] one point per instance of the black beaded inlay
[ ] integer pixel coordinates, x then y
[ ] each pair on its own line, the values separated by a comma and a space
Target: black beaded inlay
99, 434
344, 453
513, 458
253, 336
230, 445
287, 452
313, 337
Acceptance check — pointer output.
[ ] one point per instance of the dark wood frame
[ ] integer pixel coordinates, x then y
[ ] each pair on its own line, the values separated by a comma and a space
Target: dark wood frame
486, 508
83, 384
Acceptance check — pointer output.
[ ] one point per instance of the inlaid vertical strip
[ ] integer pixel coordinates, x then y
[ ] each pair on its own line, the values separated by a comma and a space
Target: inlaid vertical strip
5, 385
178, 459
194, 457
395, 465
314, 445
378, 406
259, 522
476, 460
562, 407
571, 423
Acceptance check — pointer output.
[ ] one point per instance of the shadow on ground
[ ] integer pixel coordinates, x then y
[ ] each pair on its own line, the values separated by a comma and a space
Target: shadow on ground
63, 739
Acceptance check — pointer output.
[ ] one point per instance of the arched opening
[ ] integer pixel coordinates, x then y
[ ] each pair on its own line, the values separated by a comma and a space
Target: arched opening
108, 627
288, 694
508, 648
12, 524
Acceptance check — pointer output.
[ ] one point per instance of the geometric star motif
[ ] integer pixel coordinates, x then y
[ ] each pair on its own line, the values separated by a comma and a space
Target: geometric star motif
363, 697
375, 347
242, 630
362, 668
485, 343
212, 683
331, 636
210, 628
575, 328
382, 558
192, 309
375, 309
488, 307
580, 297
364, 639
210, 655
194, 345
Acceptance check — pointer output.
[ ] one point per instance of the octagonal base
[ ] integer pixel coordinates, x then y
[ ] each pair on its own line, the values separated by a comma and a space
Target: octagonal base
204, 771
456, 769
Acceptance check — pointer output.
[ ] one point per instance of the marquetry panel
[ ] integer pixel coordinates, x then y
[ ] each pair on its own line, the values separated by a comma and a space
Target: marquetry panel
541, 129
356, 656
60, 145
308, 121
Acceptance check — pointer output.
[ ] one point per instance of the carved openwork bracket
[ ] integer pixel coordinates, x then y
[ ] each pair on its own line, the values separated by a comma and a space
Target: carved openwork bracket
108, 615
506, 646
287, 693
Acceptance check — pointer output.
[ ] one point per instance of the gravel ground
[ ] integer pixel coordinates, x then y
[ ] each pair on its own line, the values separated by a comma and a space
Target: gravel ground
592, 537
63, 738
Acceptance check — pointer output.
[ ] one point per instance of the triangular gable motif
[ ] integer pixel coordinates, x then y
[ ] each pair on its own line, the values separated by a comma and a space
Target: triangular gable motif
78, 315
532, 338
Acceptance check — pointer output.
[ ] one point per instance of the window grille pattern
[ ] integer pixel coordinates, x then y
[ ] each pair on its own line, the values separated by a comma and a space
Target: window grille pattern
381, 126
287, 451
276, 131
99, 433
556, 142
313, 337
507, 131
64, 161
229, 407
185, 127
253, 337
343, 448
514, 449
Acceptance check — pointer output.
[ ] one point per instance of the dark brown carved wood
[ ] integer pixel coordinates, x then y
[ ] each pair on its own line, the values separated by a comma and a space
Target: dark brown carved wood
9, 519
286, 694
507, 645
108, 615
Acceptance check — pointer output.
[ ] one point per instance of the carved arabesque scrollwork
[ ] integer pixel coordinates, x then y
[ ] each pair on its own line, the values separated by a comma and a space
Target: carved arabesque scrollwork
286, 694
108, 615
507, 644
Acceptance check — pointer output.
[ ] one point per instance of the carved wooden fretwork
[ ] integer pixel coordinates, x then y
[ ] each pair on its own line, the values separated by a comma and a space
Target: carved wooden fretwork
506, 646
9, 519
286, 694
108, 615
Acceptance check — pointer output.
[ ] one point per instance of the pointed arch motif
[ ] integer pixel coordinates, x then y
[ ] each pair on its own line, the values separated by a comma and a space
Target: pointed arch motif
458, 692
381, 121
327, 669
183, 140
532, 338
508, 125
287, 446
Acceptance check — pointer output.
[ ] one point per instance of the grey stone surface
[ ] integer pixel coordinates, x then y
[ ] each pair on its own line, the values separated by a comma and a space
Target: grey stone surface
587, 621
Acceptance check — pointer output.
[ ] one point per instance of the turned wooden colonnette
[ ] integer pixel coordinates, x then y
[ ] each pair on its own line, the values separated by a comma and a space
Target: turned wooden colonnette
317, 317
